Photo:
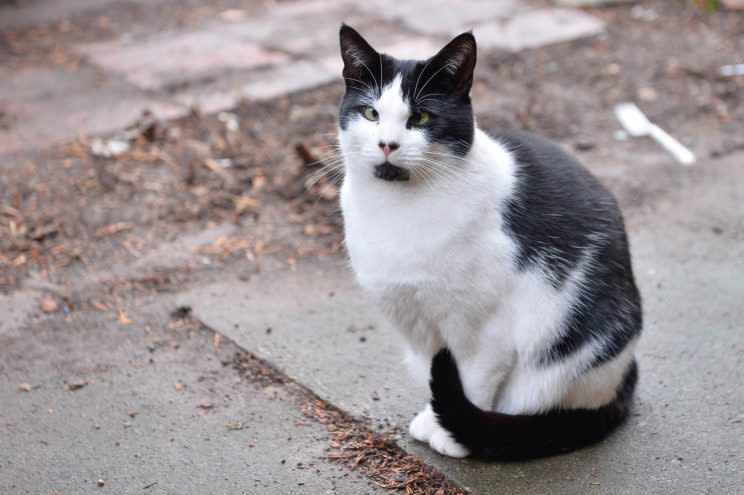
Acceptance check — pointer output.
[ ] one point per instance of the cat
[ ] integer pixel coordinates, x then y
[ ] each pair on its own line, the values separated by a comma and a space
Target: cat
503, 262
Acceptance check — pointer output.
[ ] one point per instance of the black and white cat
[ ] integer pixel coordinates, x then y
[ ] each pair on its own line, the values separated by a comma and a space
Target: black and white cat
503, 261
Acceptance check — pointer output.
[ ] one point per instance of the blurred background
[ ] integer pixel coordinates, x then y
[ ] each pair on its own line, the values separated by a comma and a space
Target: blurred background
168, 201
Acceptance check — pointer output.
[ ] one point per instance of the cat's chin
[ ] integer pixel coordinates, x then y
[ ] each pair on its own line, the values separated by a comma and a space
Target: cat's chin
389, 172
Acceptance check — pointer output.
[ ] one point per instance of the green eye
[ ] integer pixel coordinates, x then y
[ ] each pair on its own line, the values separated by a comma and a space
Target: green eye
370, 113
419, 118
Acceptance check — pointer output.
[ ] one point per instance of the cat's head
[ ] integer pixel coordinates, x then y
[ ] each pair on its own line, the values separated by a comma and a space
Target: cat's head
402, 119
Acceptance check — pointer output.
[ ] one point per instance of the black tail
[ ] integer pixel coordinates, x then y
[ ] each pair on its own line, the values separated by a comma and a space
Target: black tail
497, 436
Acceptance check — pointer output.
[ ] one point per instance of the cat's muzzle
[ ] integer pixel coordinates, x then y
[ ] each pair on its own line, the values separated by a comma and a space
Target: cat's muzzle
389, 172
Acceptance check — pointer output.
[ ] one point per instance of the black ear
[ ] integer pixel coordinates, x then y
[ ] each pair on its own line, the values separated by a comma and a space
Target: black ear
361, 61
454, 64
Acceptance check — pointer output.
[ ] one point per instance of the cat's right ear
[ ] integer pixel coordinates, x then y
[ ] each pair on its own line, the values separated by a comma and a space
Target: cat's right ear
360, 59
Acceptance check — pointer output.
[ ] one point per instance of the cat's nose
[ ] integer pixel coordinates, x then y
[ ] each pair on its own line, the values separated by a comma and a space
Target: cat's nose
388, 147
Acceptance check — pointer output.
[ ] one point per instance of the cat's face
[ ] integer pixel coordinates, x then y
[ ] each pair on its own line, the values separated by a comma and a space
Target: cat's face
404, 120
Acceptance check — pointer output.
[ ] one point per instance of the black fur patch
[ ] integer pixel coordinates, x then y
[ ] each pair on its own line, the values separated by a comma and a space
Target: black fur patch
389, 172
427, 85
497, 436
562, 218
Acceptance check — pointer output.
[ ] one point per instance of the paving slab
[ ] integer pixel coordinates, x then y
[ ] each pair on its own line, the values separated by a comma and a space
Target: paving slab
537, 28
174, 58
136, 422
284, 26
261, 84
443, 16
49, 105
686, 433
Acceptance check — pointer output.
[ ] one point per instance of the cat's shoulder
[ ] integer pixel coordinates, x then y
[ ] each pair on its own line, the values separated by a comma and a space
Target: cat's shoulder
533, 150
543, 164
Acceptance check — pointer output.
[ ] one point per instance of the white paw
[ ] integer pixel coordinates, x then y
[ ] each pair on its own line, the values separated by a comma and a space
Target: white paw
442, 442
423, 425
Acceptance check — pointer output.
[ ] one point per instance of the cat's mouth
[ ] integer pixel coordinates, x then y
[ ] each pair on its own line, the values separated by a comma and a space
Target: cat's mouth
389, 172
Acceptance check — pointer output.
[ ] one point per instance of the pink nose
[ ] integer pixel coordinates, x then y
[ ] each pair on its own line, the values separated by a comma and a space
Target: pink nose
388, 147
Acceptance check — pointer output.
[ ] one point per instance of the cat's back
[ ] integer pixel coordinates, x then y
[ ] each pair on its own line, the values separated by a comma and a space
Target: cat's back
558, 210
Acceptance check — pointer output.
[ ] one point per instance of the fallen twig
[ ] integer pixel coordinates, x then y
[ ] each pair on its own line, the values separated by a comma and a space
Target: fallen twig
219, 171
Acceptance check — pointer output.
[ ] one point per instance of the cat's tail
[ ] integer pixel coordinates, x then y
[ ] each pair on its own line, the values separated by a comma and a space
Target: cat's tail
497, 436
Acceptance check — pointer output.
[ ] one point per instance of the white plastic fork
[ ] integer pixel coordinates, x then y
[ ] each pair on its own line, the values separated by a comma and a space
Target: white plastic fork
637, 124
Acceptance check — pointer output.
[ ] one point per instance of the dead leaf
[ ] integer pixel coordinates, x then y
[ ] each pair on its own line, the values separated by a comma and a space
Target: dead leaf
330, 192
123, 318
49, 305
112, 229
77, 385
99, 305
258, 182
220, 171
245, 204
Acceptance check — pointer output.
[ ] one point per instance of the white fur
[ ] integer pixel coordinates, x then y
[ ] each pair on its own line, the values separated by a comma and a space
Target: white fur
442, 442
424, 425
432, 253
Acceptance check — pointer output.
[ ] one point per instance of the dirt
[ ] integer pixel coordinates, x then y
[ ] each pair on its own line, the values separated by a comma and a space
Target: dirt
66, 207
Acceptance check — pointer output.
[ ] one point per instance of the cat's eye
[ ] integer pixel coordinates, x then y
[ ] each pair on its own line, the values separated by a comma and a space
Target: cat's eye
419, 118
370, 113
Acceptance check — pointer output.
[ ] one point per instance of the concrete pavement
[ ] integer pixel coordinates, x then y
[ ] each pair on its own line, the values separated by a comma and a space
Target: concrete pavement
160, 413
159, 409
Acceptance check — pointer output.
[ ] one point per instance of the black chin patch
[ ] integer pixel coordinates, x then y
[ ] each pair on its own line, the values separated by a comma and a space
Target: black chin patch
389, 172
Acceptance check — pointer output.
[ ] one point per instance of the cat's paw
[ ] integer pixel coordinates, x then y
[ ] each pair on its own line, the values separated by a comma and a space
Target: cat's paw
442, 442
423, 425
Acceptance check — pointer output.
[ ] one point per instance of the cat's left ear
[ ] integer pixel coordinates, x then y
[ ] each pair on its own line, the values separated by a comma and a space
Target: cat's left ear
455, 63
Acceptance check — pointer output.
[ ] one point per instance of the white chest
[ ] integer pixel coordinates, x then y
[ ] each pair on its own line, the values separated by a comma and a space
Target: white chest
435, 262
436, 259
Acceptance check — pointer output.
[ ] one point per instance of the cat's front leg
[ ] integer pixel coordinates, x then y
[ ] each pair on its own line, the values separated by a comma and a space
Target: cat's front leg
481, 376
425, 428
424, 425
